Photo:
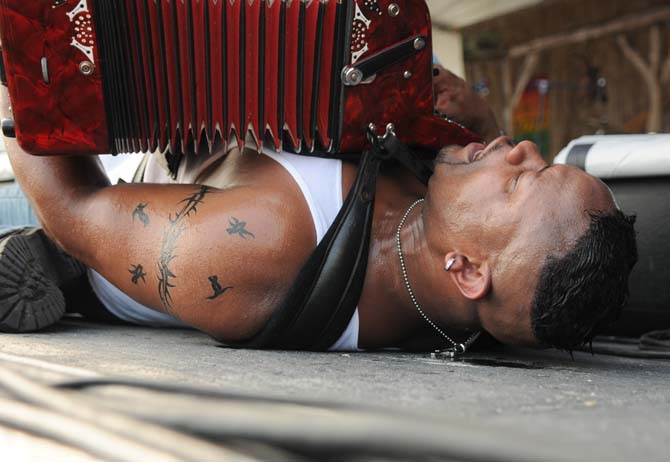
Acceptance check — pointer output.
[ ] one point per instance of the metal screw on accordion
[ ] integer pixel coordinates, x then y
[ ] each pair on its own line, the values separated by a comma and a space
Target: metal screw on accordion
371, 133
419, 44
86, 67
394, 10
351, 76
407, 75
390, 130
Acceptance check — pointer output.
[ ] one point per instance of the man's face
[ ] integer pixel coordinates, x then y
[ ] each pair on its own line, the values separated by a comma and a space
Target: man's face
505, 205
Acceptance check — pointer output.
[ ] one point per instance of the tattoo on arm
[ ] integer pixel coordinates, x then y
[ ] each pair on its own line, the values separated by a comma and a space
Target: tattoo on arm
216, 287
171, 233
239, 227
138, 273
169, 242
140, 214
191, 204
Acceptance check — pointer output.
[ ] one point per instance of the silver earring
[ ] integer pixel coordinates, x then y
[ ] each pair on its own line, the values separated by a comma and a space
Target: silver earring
450, 263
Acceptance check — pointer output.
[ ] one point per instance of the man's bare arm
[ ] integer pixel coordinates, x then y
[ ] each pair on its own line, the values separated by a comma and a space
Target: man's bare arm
220, 260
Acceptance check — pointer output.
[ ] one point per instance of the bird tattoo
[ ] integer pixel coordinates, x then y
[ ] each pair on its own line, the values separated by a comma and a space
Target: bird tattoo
140, 214
239, 227
138, 273
216, 287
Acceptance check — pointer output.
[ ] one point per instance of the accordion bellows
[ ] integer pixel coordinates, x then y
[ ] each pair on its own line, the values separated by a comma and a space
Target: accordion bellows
309, 76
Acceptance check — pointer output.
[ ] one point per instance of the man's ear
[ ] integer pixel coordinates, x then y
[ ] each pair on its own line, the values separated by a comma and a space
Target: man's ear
472, 278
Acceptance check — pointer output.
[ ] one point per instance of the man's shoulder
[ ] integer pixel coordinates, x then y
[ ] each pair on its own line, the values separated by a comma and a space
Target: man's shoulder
273, 199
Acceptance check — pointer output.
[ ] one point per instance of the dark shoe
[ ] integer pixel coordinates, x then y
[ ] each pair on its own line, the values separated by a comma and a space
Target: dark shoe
32, 270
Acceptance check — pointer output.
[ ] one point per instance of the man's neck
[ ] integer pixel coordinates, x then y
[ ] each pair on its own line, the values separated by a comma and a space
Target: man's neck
387, 313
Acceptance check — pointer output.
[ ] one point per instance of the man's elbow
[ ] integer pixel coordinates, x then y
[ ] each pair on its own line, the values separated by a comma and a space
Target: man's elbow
232, 321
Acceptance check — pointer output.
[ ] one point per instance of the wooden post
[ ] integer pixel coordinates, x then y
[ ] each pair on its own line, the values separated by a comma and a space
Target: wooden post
665, 73
650, 75
512, 98
619, 25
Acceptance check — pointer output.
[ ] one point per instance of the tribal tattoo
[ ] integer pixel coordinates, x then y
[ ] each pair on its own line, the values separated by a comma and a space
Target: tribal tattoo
216, 287
140, 214
138, 273
191, 204
171, 234
239, 227
169, 243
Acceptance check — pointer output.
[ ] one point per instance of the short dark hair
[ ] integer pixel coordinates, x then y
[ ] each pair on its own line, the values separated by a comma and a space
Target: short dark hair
584, 291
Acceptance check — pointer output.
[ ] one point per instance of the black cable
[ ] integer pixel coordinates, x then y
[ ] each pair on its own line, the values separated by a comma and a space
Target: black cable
657, 340
198, 391
319, 431
633, 348
307, 427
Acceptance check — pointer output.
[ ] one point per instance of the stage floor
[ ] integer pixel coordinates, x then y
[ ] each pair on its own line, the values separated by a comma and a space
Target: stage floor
590, 408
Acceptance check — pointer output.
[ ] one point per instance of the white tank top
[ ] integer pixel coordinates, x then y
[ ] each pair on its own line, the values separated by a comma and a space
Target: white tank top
320, 181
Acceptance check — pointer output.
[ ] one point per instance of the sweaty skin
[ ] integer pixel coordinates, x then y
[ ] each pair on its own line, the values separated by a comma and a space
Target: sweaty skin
503, 210
221, 257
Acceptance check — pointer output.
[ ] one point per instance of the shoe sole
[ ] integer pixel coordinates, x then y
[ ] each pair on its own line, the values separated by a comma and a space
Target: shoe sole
30, 299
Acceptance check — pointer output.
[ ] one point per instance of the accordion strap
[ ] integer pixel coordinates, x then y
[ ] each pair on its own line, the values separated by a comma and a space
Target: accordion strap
325, 294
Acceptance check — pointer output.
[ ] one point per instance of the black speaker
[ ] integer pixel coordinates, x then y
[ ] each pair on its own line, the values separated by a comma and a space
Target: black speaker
637, 170
649, 305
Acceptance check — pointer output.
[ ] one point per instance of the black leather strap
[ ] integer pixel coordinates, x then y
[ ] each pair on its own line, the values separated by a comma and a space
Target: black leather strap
325, 294
396, 53
396, 150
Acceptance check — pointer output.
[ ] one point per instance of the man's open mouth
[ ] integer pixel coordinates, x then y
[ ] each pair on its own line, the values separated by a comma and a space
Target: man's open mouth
473, 150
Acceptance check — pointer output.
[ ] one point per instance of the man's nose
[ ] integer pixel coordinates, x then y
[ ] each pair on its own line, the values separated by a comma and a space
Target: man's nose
526, 152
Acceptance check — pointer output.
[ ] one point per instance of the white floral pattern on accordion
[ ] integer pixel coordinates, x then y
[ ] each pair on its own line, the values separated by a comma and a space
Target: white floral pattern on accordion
83, 28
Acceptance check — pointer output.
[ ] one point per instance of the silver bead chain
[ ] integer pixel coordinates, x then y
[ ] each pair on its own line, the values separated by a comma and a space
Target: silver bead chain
457, 347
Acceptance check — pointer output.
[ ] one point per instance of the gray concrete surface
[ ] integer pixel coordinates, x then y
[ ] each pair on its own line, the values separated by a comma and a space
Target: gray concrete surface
595, 407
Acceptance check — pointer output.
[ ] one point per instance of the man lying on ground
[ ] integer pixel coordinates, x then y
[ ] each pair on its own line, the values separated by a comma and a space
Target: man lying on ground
499, 241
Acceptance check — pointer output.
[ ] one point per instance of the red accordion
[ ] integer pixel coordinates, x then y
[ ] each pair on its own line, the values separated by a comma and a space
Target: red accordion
100, 76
